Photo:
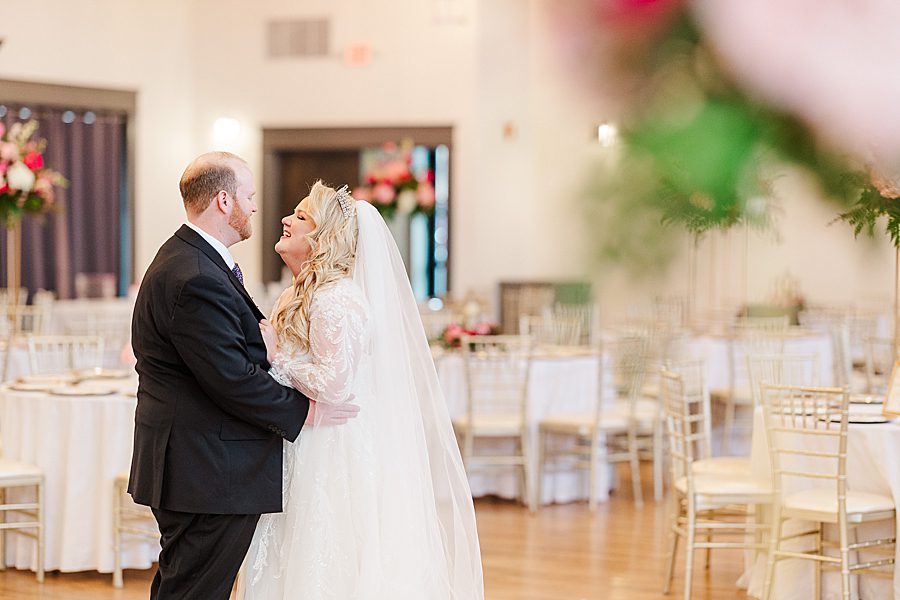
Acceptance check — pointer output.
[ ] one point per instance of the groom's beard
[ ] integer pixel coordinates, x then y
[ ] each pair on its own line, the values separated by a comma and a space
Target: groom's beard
240, 222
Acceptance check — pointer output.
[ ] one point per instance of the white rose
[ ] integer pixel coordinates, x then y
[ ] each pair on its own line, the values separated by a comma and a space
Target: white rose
20, 177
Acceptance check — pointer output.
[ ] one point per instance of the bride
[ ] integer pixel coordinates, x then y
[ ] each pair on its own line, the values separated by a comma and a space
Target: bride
379, 508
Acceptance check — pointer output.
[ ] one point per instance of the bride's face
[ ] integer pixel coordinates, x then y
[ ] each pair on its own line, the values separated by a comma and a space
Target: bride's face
293, 245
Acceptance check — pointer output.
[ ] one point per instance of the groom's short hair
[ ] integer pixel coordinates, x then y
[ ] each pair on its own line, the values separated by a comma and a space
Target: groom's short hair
206, 176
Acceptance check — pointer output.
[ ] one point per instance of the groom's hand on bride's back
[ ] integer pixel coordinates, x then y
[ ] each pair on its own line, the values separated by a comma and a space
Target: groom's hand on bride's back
322, 413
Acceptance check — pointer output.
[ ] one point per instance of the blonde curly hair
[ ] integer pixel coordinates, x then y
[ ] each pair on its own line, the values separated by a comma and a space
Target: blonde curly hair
332, 254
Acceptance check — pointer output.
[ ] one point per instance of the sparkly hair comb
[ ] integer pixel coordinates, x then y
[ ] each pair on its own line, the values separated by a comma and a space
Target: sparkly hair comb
345, 200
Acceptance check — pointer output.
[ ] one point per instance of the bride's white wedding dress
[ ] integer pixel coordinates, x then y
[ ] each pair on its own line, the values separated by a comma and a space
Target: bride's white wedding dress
377, 509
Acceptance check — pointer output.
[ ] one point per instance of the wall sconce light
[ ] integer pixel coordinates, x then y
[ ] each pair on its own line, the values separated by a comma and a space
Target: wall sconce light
226, 130
607, 134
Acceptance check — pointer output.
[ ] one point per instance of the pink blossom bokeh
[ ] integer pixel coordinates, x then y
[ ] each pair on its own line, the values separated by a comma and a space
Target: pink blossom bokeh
830, 63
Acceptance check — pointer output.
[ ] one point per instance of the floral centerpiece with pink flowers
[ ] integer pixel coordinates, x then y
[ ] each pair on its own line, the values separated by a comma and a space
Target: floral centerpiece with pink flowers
26, 184
453, 334
391, 185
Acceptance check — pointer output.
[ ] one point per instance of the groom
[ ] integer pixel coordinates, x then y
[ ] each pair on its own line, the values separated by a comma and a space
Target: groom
209, 420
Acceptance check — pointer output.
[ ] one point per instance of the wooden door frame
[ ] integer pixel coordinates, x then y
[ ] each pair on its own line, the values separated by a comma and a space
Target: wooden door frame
282, 140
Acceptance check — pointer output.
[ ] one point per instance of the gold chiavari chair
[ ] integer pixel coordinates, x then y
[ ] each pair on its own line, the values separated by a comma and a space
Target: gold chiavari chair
114, 329
781, 369
710, 508
608, 434
4, 357
692, 373
8, 296
27, 320
128, 519
55, 354
837, 325
553, 329
436, 321
29, 513
879, 364
750, 336
807, 439
497, 370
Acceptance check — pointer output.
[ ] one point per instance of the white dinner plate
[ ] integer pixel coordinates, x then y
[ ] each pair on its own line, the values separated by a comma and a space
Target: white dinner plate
862, 419
81, 391
45, 380
25, 386
866, 399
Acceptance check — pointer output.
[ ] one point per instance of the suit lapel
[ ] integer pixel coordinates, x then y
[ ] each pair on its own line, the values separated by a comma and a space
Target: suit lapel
196, 240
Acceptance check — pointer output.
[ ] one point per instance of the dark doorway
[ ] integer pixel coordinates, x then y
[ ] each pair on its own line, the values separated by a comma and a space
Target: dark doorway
295, 158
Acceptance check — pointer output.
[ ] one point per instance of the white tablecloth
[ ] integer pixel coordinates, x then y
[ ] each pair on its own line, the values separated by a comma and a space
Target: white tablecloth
557, 386
81, 443
873, 465
713, 350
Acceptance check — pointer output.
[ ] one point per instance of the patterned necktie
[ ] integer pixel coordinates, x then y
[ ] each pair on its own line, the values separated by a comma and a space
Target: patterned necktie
236, 269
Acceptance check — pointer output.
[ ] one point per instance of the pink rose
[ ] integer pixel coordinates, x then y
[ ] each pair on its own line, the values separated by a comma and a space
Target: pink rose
9, 152
397, 170
425, 195
3, 166
34, 160
384, 193
2, 129
483, 329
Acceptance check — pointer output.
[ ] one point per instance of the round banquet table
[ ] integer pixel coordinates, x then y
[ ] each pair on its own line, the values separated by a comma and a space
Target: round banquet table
560, 383
714, 351
82, 443
873, 465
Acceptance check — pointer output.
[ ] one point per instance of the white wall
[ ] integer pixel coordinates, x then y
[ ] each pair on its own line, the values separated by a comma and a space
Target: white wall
516, 212
123, 44
422, 74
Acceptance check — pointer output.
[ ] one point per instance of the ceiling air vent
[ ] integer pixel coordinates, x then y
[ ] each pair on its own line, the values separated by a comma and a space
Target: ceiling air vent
298, 38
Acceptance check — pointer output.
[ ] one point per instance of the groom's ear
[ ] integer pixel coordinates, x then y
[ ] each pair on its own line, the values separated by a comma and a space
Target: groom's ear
222, 201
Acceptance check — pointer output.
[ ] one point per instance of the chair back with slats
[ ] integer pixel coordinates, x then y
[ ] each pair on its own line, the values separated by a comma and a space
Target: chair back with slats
436, 321
553, 329
27, 320
807, 437
628, 354
497, 370
752, 336
4, 357
879, 363
115, 329
687, 420
782, 369
9, 296
53, 355
841, 355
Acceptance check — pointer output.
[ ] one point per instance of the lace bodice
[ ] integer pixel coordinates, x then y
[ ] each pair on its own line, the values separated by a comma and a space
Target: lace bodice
338, 336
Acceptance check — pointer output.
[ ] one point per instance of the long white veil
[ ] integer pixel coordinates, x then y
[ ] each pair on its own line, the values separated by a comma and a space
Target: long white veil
423, 470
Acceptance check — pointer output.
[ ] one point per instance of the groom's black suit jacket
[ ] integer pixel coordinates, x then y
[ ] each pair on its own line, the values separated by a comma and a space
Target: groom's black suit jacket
209, 419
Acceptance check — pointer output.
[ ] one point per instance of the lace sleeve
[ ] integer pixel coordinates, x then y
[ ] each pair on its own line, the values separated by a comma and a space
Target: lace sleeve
337, 328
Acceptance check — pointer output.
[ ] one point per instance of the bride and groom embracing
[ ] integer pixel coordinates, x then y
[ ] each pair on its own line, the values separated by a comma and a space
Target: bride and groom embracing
370, 500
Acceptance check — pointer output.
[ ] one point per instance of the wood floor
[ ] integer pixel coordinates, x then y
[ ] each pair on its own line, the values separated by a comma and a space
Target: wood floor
562, 553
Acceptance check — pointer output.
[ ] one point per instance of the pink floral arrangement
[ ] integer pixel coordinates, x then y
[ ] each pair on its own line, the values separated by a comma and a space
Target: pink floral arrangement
390, 181
26, 185
452, 336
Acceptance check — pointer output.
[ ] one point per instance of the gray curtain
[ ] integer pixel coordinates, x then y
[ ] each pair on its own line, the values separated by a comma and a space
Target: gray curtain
86, 235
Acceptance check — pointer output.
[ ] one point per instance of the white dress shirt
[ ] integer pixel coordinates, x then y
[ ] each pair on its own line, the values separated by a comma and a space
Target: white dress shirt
219, 246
